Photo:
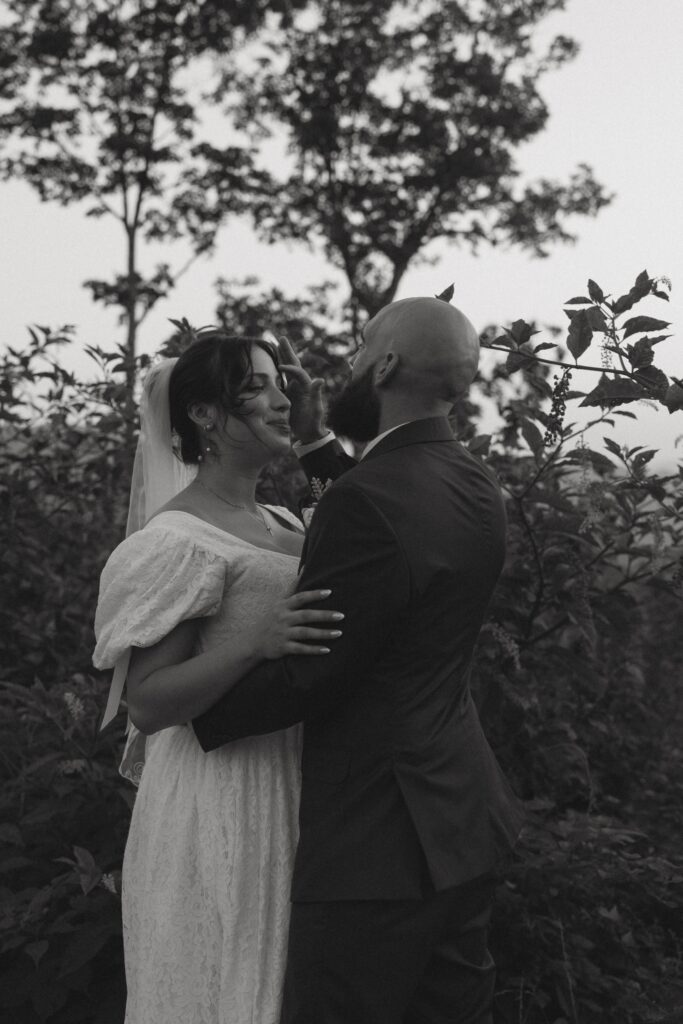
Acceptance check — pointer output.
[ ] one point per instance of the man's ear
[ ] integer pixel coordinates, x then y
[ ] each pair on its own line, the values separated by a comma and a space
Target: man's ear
385, 368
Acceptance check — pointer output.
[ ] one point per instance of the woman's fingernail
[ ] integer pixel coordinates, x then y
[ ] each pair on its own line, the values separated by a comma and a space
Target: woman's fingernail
325, 593
324, 650
338, 615
335, 632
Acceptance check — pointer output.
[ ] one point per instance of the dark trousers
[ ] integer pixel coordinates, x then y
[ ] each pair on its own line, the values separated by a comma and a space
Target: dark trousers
392, 962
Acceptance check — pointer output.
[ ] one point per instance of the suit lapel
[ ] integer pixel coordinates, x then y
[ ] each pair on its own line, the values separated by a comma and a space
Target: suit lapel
302, 559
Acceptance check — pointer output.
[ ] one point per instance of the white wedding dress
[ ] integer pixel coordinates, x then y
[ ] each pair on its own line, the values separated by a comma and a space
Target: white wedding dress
209, 857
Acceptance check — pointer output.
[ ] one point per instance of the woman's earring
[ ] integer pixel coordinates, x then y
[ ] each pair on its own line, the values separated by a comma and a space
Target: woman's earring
209, 448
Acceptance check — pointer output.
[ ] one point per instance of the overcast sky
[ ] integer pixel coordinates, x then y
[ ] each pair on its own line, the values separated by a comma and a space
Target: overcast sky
618, 107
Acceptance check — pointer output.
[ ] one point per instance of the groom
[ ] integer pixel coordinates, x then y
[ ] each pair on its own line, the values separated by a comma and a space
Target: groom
404, 811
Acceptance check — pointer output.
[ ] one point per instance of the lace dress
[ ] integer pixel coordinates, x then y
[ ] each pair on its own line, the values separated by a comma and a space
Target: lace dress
209, 857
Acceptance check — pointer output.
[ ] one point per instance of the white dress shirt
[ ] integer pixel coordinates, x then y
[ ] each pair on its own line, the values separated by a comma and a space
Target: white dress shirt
305, 449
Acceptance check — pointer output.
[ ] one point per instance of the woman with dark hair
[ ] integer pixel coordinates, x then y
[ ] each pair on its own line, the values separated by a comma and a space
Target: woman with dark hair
189, 602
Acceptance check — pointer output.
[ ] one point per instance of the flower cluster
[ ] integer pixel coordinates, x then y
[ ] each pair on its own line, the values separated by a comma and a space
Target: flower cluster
595, 506
559, 406
75, 705
318, 488
509, 646
109, 882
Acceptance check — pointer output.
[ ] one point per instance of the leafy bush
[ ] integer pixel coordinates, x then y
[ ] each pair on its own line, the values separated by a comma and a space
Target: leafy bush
576, 678
64, 813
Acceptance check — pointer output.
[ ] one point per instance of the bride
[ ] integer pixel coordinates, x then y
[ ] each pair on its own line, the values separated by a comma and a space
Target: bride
189, 602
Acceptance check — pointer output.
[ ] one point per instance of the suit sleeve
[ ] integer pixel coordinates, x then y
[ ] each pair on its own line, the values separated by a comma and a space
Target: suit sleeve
327, 462
353, 551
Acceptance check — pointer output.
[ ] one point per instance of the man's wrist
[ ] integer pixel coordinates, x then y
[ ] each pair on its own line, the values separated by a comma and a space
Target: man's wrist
306, 447
311, 438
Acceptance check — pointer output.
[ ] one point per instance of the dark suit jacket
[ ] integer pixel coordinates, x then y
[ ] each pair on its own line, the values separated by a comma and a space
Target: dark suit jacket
401, 793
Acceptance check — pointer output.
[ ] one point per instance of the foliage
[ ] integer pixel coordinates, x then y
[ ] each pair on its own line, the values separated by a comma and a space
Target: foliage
588, 925
402, 122
99, 107
63, 480
64, 814
578, 682
577, 674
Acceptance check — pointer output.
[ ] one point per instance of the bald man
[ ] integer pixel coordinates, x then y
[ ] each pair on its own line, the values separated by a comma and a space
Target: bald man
405, 815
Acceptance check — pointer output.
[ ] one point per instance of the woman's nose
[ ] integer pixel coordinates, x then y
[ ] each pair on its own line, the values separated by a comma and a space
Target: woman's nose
280, 401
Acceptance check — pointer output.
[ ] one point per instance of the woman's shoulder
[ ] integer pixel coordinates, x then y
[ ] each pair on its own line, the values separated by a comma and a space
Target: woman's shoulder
154, 579
162, 534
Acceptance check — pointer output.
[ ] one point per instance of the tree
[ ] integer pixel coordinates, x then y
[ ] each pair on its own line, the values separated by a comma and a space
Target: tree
98, 108
402, 122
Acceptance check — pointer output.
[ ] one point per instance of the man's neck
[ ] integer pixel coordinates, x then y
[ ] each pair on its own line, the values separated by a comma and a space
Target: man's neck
407, 413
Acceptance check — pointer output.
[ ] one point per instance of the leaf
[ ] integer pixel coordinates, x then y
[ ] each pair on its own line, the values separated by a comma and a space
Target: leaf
599, 462
612, 446
625, 412
640, 289
480, 444
642, 458
578, 300
596, 320
532, 435
580, 334
88, 871
544, 345
673, 399
83, 947
519, 359
654, 379
638, 324
595, 291
447, 294
610, 392
540, 385
521, 332
640, 354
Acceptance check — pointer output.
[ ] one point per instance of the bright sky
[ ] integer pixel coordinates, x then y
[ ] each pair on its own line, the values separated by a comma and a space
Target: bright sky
617, 107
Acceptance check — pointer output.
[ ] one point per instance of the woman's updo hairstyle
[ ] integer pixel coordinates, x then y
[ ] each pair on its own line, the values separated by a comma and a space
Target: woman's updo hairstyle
214, 370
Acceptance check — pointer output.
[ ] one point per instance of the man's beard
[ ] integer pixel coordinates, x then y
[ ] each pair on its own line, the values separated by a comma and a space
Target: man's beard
355, 412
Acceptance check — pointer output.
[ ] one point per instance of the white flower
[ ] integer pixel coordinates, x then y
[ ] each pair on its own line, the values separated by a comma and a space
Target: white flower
508, 644
318, 488
75, 705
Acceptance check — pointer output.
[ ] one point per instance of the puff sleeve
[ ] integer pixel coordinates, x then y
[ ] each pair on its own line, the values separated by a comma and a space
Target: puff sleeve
153, 580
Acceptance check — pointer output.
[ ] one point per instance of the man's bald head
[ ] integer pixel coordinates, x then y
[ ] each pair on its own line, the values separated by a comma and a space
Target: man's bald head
435, 348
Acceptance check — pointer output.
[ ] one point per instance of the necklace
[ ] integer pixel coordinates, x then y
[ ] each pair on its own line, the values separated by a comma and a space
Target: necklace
258, 515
